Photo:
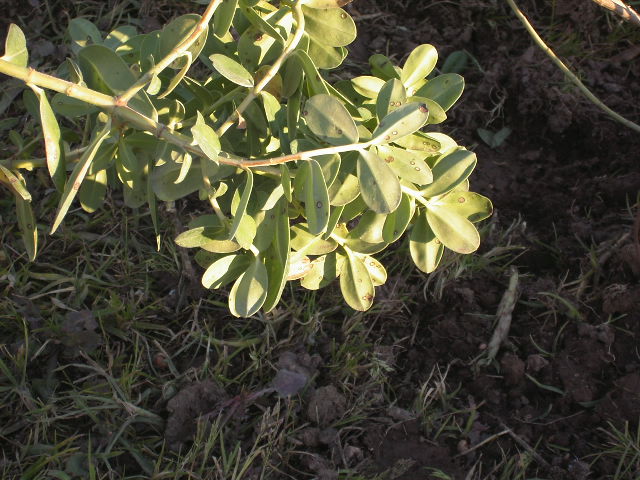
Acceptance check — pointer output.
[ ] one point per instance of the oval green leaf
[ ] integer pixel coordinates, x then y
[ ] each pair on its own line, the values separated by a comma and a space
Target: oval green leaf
401, 122
453, 230
249, 292
449, 172
426, 250
330, 121
231, 70
420, 63
379, 185
356, 284
331, 26
445, 89
408, 165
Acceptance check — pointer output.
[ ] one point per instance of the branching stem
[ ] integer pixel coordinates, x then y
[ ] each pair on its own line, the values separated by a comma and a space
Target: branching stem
253, 94
178, 51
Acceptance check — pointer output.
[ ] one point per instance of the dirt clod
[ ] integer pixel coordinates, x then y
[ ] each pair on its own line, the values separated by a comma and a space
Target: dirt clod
325, 405
190, 403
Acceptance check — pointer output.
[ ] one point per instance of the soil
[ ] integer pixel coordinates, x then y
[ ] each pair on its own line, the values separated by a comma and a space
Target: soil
569, 177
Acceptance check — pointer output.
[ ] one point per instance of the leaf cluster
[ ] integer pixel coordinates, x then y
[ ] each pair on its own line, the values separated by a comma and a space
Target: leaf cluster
305, 179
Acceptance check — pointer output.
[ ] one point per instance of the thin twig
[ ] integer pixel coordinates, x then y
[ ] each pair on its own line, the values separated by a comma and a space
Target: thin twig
576, 81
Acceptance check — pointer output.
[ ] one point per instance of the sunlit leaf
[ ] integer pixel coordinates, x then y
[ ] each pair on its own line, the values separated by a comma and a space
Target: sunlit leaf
379, 185
421, 61
15, 47
77, 176
453, 230
426, 250
356, 284
249, 291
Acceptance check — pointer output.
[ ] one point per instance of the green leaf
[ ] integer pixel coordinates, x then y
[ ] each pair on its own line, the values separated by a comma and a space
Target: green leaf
52, 143
209, 237
309, 244
177, 31
392, 96
242, 206
421, 62
420, 141
436, 112
331, 26
316, 198
285, 179
326, 3
355, 283
15, 47
408, 165
449, 172
71, 107
329, 120
223, 17
165, 175
401, 122
225, 270
77, 175
456, 62
367, 86
315, 82
120, 36
426, 250
324, 270
27, 224
379, 185
345, 188
369, 228
177, 78
246, 232
105, 71
382, 67
249, 292
376, 270
397, 221
473, 206
231, 70
15, 182
277, 257
445, 89
325, 56
93, 191
83, 33
206, 138
292, 76
453, 230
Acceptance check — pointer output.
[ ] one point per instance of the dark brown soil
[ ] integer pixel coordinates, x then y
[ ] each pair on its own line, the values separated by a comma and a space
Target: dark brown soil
571, 176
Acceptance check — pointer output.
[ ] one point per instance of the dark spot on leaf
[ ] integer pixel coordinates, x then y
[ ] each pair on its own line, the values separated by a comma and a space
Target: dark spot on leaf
389, 159
339, 132
437, 242
343, 15
417, 169
461, 200
423, 108
318, 204
412, 162
258, 37
387, 137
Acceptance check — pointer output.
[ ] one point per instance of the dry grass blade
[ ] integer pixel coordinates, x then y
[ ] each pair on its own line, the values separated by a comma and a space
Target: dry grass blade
505, 309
